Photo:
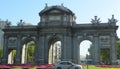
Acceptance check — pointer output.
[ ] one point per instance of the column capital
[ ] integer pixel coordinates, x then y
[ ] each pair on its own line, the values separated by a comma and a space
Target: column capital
96, 35
19, 36
5, 36
113, 34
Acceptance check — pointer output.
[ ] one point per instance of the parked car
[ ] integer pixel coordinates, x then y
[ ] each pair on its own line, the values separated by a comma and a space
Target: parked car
66, 65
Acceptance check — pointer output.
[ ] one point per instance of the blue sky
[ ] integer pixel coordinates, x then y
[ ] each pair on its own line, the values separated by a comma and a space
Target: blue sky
28, 10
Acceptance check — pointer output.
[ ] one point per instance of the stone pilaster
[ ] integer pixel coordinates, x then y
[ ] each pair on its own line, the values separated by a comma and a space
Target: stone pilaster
46, 50
113, 55
63, 52
36, 52
41, 50
5, 50
64, 49
96, 50
67, 48
75, 47
18, 50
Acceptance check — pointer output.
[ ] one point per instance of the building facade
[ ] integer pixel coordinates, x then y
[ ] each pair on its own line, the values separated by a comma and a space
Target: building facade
57, 23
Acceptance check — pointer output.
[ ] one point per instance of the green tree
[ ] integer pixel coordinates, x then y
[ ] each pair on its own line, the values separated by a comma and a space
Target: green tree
1, 51
118, 48
105, 55
14, 54
30, 52
90, 51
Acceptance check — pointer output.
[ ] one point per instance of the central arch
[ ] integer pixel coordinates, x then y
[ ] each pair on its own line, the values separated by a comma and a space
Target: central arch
54, 46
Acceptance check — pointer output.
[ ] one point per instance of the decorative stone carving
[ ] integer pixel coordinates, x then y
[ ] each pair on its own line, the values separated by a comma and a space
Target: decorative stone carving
21, 23
112, 20
95, 20
79, 37
46, 6
105, 40
12, 41
8, 23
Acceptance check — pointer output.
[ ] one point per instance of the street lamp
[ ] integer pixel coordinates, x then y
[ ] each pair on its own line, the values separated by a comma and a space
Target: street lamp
87, 60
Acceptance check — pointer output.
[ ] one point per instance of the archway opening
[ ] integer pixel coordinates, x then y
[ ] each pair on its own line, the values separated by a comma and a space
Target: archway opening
1, 53
105, 55
28, 52
54, 52
86, 52
11, 56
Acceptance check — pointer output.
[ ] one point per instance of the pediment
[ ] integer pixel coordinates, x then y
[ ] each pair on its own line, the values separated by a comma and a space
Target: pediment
54, 11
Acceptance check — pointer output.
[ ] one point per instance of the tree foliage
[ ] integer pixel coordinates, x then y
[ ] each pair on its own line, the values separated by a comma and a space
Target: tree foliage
105, 55
90, 51
14, 54
30, 52
118, 48
1, 51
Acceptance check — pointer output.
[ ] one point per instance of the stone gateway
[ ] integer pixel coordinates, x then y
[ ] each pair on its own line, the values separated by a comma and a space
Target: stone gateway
57, 23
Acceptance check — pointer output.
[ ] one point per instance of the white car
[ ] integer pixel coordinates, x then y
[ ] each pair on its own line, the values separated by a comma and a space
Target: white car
67, 65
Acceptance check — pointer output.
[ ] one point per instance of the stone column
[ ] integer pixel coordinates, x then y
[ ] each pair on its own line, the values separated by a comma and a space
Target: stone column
5, 50
36, 52
96, 50
46, 50
18, 50
75, 49
67, 48
113, 55
63, 49
40, 49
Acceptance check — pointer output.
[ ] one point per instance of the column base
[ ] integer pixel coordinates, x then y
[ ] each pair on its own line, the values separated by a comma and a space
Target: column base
4, 61
40, 61
114, 62
96, 62
17, 61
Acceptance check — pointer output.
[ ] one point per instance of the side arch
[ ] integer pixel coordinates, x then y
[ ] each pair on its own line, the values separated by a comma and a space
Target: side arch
28, 50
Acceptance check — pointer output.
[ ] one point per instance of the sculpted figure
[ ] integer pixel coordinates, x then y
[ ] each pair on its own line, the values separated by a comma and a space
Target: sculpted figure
95, 20
21, 23
112, 20
8, 23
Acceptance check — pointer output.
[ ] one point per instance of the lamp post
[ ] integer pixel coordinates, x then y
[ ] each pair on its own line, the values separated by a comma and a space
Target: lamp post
87, 60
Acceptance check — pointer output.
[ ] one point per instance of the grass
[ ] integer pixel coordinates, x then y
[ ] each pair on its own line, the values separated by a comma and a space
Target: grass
22, 68
95, 67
